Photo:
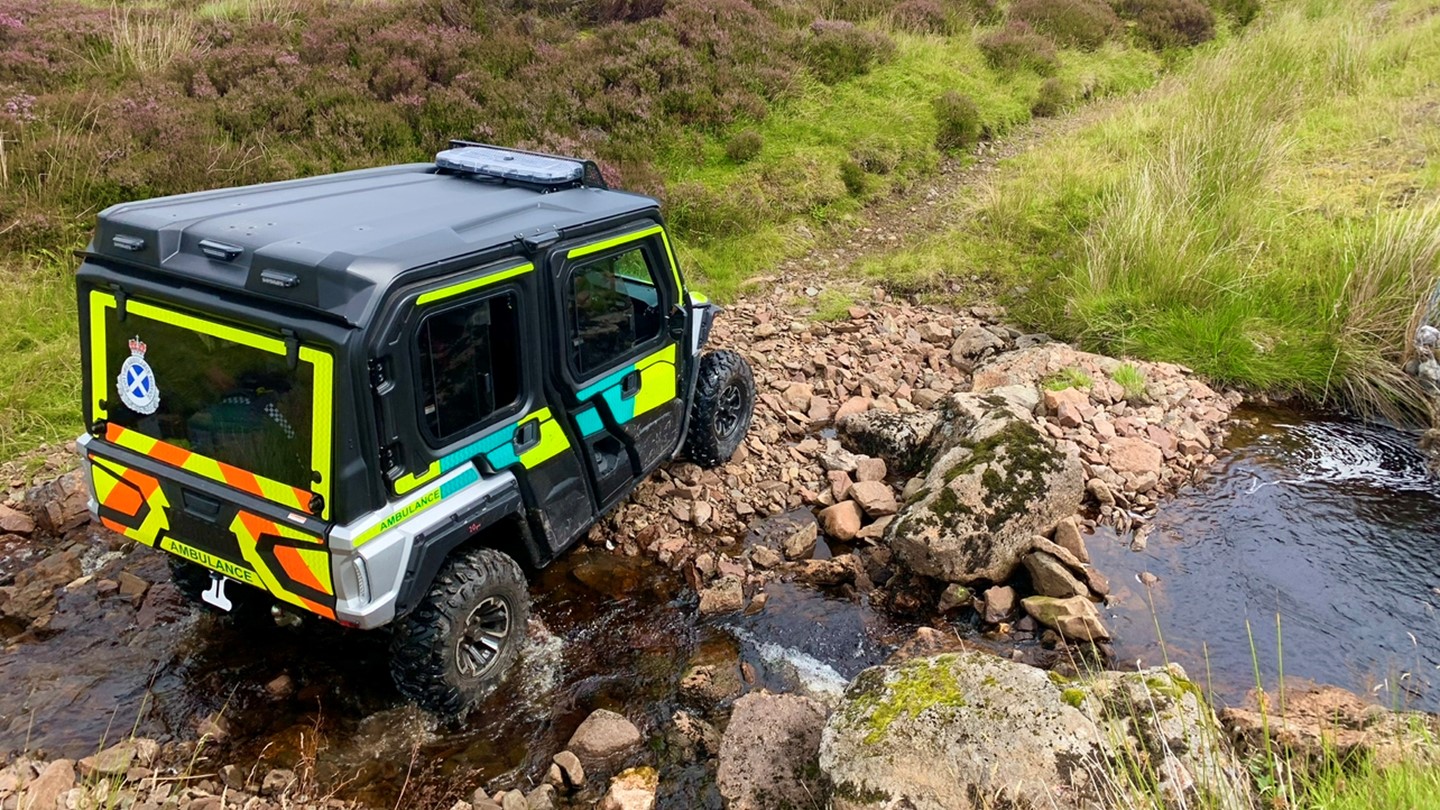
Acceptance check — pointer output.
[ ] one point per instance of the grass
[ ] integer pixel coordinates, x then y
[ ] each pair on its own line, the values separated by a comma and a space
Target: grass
1069, 377
1266, 216
179, 95
1129, 377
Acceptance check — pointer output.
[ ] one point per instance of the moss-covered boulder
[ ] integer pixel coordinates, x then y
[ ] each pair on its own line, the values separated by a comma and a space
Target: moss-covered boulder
997, 482
969, 730
957, 731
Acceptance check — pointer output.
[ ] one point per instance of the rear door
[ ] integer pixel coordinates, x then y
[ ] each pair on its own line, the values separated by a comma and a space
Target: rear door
617, 298
212, 441
471, 402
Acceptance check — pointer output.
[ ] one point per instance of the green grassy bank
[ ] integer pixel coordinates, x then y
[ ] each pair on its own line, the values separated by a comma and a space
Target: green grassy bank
1267, 215
762, 125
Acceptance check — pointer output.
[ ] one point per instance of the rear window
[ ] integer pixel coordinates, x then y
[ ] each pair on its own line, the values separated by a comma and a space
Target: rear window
234, 403
469, 363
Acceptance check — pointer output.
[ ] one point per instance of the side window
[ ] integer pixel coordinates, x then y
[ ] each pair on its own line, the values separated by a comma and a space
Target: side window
614, 306
469, 365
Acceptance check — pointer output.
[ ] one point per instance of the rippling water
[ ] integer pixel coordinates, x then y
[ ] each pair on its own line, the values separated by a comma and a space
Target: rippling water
1331, 526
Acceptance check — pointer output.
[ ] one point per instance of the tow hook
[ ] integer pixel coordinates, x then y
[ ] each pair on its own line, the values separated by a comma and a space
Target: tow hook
285, 618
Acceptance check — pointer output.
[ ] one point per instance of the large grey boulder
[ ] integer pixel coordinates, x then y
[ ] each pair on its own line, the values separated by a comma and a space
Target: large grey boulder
767, 756
997, 482
957, 731
969, 730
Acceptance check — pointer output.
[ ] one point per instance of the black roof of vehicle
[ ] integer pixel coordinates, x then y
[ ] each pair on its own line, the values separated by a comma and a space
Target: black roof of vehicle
336, 243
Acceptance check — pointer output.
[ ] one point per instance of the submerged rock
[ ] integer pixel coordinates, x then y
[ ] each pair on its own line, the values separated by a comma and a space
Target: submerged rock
997, 483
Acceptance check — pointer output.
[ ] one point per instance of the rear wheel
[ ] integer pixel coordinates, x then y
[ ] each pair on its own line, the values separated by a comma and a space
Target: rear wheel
460, 641
724, 405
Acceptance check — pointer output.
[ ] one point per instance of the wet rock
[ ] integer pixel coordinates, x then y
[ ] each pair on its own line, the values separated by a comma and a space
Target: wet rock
997, 483
697, 738
841, 521
875, 498
1075, 618
794, 528
131, 586
825, 573
769, 747
900, 439
280, 687
13, 521
799, 544
614, 575
725, 596
62, 504
1069, 537
633, 789
954, 596
566, 771
163, 604
214, 728
933, 733
604, 738
1326, 724
999, 604
926, 643
33, 597
713, 676
765, 557
1050, 577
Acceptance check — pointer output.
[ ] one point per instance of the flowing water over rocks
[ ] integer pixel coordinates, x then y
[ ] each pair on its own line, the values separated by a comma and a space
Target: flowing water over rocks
1329, 523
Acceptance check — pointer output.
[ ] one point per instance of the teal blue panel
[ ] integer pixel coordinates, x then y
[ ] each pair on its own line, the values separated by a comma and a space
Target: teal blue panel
589, 422
622, 409
460, 481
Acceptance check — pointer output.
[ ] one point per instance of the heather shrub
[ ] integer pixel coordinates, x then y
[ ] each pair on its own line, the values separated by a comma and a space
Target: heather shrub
601, 12
838, 50
958, 122
1050, 99
1169, 23
1017, 46
1072, 23
744, 146
46, 44
923, 17
877, 154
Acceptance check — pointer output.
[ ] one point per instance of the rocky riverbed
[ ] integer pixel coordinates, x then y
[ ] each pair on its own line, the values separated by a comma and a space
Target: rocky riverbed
927, 464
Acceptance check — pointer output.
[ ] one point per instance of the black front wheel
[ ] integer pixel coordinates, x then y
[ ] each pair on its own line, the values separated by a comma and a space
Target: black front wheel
460, 641
724, 405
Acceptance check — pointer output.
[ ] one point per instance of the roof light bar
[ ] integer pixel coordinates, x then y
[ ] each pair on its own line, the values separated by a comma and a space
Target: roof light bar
504, 164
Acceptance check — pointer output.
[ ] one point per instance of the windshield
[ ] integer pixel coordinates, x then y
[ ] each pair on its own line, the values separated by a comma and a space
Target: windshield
229, 401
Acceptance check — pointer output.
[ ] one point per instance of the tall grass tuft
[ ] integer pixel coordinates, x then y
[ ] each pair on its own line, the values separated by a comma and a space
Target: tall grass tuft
146, 40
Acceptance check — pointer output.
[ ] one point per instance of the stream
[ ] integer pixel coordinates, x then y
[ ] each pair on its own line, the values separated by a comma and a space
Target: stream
1330, 524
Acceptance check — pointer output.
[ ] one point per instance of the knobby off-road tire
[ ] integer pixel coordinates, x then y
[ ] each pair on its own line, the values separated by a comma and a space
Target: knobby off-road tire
724, 405
460, 641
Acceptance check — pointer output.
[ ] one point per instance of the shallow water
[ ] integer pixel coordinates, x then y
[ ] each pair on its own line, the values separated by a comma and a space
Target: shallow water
1332, 526
608, 632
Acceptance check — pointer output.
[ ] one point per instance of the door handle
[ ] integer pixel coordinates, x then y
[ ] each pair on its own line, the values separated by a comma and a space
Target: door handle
630, 385
527, 435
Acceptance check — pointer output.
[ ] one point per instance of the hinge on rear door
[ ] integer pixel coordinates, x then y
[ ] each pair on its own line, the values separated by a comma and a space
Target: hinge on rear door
377, 374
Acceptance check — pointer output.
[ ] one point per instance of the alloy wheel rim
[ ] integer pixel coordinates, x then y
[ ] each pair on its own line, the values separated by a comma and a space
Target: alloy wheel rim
486, 630
729, 411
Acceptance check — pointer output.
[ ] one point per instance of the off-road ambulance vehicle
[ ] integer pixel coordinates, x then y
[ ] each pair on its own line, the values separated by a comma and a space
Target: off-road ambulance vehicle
375, 395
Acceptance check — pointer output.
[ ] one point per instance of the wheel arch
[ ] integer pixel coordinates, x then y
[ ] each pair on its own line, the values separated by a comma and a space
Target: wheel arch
505, 531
